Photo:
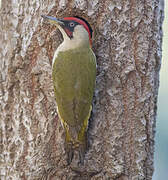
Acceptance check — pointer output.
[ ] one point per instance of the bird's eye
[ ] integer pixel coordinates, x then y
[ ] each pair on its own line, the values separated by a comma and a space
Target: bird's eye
71, 24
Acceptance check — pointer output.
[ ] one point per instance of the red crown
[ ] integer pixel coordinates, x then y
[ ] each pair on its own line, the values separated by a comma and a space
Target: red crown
80, 21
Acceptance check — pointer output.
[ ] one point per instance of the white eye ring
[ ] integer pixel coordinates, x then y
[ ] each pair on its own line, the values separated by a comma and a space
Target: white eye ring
71, 24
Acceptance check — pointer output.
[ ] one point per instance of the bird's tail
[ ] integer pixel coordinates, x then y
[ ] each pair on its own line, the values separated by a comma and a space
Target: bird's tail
80, 146
76, 142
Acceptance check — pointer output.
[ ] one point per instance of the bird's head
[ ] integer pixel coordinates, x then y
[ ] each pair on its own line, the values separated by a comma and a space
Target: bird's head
75, 29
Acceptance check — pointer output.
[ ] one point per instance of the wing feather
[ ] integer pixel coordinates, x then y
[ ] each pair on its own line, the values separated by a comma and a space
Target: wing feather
74, 74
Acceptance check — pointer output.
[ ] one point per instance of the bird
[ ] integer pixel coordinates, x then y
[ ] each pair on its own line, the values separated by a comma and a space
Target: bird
74, 79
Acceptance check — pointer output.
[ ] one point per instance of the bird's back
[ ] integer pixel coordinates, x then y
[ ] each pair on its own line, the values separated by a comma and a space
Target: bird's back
74, 73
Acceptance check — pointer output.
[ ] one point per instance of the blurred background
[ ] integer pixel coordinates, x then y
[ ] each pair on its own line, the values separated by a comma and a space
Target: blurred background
161, 136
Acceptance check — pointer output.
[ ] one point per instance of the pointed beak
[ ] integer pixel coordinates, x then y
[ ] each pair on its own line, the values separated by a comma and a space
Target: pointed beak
53, 20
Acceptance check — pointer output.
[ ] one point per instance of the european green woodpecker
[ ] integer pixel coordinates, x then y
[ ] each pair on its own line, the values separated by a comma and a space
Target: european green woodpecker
74, 74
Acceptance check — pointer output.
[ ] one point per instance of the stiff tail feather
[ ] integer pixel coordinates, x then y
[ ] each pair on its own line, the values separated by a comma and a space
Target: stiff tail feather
81, 148
80, 144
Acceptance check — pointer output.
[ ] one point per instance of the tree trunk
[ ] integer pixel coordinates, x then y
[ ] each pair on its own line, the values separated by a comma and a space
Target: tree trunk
127, 43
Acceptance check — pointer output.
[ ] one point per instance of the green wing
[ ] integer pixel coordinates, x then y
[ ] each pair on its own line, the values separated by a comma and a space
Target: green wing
74, 73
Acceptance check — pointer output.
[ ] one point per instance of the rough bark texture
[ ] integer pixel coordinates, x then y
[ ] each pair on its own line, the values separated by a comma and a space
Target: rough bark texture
127, 43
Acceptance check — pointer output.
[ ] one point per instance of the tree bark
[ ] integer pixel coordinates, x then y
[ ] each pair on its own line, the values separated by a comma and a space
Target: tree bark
127, 43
